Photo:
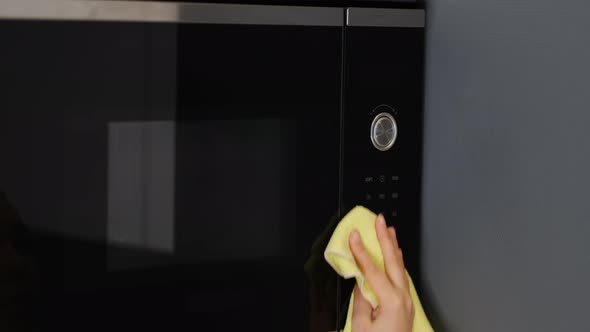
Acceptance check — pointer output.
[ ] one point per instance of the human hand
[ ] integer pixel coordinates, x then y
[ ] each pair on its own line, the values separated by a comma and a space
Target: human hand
395, 312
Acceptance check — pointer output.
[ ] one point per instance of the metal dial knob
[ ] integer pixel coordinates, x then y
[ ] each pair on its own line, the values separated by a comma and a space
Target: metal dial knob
383, 131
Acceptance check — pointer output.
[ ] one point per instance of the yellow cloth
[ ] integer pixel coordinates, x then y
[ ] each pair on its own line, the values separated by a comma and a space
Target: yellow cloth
338, 255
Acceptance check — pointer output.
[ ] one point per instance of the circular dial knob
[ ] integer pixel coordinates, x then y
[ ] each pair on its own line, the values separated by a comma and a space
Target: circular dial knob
383, 131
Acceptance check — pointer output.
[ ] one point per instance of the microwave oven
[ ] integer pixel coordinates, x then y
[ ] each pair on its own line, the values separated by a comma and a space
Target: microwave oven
180, 166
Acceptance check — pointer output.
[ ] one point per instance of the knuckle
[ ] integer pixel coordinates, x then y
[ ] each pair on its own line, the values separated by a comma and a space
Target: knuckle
408, 303
397, 301
401, 301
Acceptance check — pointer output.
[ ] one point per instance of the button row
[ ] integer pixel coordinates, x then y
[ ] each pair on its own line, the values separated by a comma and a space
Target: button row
387, 214
381, 178
381, 196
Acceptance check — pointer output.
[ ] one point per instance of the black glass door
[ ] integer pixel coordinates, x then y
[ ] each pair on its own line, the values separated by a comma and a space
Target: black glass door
168, 176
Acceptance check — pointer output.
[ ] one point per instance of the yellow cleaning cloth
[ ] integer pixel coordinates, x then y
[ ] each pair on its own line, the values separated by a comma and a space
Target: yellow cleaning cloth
338, 255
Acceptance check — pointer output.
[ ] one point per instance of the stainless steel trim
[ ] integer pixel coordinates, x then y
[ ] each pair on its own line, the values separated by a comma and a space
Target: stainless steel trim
373, 17
374, 138
174, 12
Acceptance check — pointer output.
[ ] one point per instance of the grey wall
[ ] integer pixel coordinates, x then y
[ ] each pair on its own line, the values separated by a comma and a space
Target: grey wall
507, 165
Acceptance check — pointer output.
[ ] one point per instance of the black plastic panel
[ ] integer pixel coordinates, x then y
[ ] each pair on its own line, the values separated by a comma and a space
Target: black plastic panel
384, 66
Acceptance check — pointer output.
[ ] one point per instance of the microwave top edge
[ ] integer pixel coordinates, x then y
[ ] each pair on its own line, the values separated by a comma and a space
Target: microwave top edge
250, 12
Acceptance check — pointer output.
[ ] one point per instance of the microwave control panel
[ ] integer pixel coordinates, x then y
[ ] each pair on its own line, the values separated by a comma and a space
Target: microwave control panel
382, 127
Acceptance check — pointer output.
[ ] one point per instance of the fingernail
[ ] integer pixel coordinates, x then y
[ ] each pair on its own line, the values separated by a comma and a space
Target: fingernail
381, 219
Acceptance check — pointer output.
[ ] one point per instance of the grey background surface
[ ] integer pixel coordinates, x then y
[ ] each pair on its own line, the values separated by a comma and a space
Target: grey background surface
507, 162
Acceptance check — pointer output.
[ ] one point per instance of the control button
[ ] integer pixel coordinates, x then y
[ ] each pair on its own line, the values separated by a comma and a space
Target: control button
394, 213
368, 197
383, 131
381, 196
394, 195
381, 178
394, 178
368, 179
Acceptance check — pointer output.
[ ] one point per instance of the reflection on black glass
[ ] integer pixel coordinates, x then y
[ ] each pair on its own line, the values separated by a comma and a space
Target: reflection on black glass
16, 270
323, 281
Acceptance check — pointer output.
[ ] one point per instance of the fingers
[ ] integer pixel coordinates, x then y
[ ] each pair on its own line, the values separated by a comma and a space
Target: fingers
361, 311
376, 278
393, 236
389, 249
405, 282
